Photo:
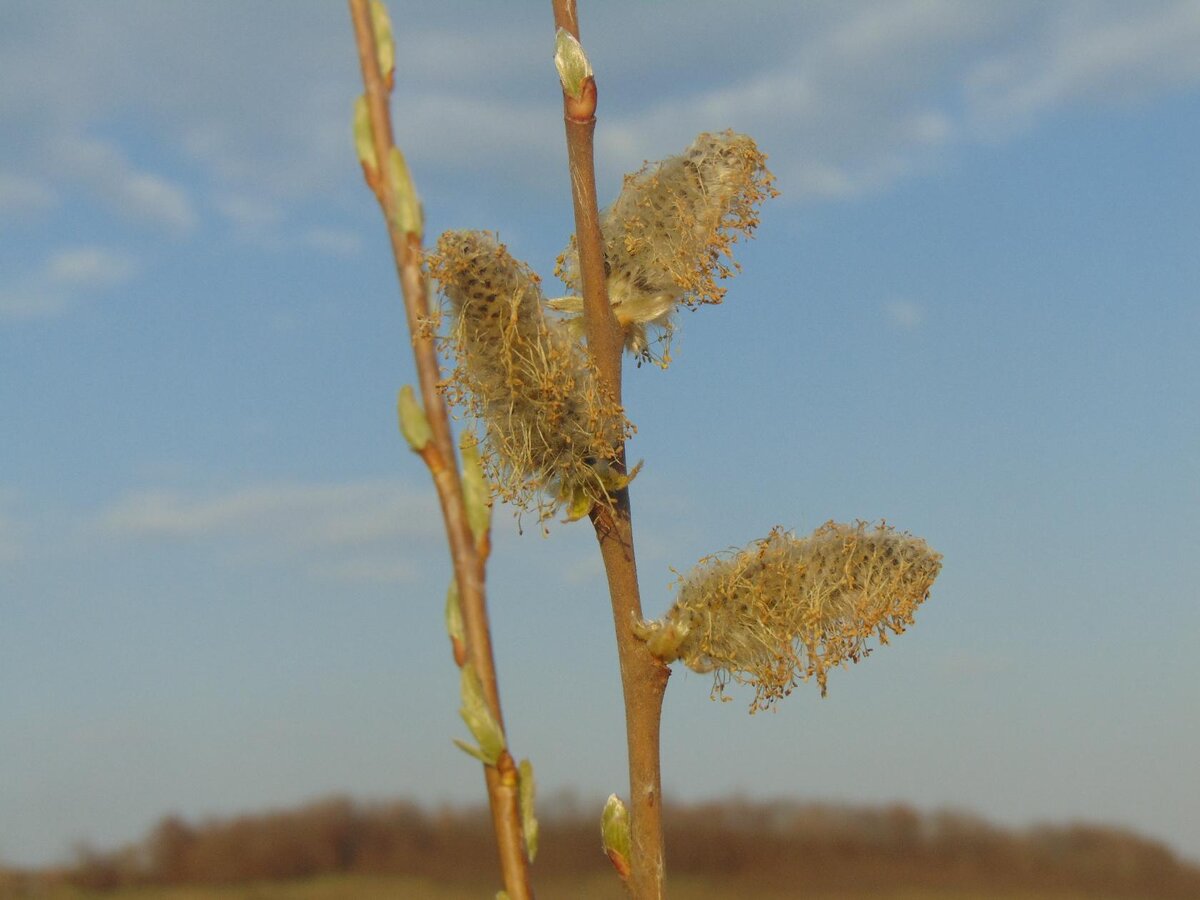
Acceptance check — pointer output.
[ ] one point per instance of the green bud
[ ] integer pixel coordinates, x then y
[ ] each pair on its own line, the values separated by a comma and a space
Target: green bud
579, 504
385, 45
479, 719
501, 895
571, 62
406, 211
413, 424
615, 835
613, 480
529, 823
454, 619
476, 493
474, 751
364, 137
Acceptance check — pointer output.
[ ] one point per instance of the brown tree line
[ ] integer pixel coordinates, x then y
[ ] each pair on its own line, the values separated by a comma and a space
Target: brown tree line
817, 846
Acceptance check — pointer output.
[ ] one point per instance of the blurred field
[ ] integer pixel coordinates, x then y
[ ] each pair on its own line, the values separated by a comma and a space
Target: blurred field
337, 849
594, 888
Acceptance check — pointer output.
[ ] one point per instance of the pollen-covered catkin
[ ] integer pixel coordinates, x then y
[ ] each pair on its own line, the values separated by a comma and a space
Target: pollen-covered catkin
668, 236
550, 433
785, 608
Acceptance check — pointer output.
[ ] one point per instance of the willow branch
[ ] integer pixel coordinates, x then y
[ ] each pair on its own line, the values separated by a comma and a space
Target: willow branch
643, 677
468, 560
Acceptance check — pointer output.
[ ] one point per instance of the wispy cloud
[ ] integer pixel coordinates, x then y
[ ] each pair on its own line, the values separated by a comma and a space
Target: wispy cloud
252, 218
582, 570
904, 313
89, 267
21, 195
862, 97
131, 192
847, 98
872, 92
368, 571
376, 530
63, 278
264, 223
1089, 52
334, 241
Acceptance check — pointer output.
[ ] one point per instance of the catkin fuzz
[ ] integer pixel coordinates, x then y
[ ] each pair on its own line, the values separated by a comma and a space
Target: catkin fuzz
786, 609
550, 433
669, 235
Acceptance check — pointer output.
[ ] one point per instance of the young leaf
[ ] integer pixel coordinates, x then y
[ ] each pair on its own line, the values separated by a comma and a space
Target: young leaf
571, 62
615, 835
406, 210
529, 823
476, 493
385, 44
364, 137
479, 718
454, 624
413, 424
472, 751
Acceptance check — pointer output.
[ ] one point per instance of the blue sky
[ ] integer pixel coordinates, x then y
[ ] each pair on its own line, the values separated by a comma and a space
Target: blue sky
973, 312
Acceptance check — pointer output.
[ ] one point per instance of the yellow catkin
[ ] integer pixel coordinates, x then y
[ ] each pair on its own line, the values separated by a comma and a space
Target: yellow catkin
669, 235
786, 609
550, 433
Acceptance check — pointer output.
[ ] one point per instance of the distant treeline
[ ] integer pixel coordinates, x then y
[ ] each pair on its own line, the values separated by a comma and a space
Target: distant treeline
805, 845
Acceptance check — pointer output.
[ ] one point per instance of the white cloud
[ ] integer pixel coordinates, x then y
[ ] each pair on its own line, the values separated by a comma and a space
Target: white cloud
262, 222
847, 98
474, 134
370, 571
904, 313
854, 103
179, 70
1092, 53
64, 278
582, 570
90, 267
27, 302
334, 241
133, 193
249, 213
375, 530
868, 93
20, 195
324, 513
252, 218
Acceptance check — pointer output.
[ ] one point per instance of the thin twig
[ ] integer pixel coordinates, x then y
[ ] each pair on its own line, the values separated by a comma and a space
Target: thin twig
643, 677
468, 563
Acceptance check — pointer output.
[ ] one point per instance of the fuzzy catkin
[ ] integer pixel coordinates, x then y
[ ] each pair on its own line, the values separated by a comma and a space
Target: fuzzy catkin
550, 433
786, 609
669, 235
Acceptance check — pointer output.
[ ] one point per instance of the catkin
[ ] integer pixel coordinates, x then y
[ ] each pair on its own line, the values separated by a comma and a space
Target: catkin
669, 235
550, 433
786, 609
